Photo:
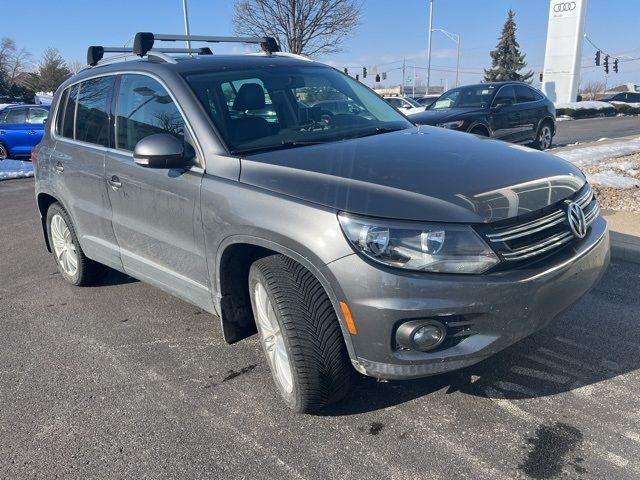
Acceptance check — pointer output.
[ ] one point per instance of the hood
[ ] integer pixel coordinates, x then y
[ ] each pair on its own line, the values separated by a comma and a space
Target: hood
423, 174
433, 117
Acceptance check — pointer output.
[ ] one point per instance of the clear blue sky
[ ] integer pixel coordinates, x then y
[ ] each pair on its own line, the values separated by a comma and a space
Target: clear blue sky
390, 30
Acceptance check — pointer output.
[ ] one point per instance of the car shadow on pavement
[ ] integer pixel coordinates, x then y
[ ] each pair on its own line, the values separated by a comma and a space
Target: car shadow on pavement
113, 277
596, 340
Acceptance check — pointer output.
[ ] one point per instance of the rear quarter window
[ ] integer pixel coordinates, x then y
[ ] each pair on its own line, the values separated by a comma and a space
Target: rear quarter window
69, 121
92, 117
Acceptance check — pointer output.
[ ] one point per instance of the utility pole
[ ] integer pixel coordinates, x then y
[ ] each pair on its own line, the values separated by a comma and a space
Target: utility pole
404, 68
429, 46
455, 38
413, 88
186, 21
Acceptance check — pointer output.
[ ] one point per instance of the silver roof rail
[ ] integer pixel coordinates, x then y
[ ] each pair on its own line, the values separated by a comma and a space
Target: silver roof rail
144, 41
95, 54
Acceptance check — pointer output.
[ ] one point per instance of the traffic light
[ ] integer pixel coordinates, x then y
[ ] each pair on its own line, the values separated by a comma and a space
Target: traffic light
378, 77
540, 77
364, 72
615, 65
597, 58
346, 71
606, 64
384, 75
357, 77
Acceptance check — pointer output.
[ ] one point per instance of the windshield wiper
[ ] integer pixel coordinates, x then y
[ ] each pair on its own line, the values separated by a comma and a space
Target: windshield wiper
376, 131
285, 144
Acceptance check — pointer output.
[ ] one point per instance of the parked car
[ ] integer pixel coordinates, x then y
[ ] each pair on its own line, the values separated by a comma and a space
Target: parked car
405, 104
21, 129
626, 97
359, 241
509, 111
427, 100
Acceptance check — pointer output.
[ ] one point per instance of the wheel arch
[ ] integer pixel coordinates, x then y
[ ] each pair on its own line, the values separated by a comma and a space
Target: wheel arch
235, 256
548, 119
480, 126
45, 200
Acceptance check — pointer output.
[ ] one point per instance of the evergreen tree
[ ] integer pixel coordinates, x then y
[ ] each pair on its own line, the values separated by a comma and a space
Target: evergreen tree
506, 59
52, 71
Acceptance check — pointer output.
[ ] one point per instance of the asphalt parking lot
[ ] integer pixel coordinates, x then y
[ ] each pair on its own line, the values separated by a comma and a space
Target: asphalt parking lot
124, 381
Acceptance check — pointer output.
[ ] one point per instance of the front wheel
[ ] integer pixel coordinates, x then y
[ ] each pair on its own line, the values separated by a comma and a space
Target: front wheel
299, 333
3, 152
544, 137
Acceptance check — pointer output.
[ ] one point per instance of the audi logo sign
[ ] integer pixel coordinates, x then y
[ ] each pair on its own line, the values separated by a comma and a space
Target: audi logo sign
564, 7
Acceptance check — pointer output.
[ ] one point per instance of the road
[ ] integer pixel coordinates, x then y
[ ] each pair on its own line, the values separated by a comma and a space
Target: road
124, 381
592, 129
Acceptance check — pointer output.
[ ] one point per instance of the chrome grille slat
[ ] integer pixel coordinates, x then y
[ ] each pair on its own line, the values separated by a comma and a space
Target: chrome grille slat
542, 242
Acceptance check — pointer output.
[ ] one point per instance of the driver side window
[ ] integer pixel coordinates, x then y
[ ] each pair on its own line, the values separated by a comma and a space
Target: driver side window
506, 96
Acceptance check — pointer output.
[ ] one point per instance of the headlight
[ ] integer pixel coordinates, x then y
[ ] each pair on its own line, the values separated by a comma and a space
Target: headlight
456, 124
429, 247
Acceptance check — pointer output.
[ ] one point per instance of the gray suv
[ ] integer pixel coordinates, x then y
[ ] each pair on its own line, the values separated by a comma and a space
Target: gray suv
342, 237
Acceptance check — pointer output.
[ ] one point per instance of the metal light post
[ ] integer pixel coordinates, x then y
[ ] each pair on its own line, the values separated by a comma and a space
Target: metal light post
186, 21
429, 47
455, 38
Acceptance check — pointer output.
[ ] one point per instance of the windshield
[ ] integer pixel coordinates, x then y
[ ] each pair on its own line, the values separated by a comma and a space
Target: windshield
413, 102
272, 108
477, 96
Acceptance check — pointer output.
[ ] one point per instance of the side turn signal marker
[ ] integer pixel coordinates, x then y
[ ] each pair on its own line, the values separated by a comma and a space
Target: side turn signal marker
351, 326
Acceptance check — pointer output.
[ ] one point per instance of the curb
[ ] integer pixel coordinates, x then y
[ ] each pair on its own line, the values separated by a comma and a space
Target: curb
625, 247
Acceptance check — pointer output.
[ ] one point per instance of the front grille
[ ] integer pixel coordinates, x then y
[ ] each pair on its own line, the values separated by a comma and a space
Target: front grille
532, 238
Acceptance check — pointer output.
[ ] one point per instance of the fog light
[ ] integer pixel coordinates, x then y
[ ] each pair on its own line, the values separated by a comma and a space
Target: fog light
423, 335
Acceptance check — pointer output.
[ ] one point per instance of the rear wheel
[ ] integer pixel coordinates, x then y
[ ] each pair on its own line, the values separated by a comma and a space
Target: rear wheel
544, 136
71, 261
3, 152
299, 333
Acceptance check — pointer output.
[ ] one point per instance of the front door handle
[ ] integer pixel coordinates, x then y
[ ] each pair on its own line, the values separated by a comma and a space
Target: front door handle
115, 183
32, 132
58, 167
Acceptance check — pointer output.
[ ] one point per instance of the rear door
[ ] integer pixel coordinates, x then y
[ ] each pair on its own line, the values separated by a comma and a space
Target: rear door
36, 119
156, 212
14, 133
77, 162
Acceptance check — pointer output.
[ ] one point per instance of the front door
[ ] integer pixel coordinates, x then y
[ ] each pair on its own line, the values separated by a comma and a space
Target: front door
156, 212
505, 115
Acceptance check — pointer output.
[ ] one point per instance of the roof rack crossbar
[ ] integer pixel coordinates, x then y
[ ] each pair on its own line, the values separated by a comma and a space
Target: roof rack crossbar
95, 54
144, 41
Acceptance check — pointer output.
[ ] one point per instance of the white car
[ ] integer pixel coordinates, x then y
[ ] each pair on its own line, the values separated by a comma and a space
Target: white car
405, 105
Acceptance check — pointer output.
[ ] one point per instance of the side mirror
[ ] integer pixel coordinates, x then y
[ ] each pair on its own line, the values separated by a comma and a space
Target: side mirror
161, 150
44, 121
501, 104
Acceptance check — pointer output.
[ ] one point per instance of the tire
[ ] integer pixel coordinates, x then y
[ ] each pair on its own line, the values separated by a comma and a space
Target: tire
544, 136
67, 252
309, 342
4, 153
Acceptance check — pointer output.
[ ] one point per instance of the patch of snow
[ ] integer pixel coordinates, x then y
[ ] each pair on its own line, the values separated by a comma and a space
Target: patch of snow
563, 118
631, 104
597, 153
15, 169
591, 104
609, 178
602, 139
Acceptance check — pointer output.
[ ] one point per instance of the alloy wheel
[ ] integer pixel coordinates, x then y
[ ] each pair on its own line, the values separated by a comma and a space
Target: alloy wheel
63, 245
272, 339
544, 140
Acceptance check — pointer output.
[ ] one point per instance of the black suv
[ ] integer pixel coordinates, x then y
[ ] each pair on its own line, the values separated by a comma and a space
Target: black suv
510, 111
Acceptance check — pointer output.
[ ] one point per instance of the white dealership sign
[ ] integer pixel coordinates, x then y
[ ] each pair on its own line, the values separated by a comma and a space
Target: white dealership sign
561, 74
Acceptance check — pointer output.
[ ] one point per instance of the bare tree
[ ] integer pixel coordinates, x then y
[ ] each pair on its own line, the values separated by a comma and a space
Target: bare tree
592, 88
76, 65
17, 64
305, 27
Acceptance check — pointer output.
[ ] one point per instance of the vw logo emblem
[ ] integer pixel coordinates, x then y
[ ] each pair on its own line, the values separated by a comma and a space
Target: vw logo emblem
577, 222
564, 7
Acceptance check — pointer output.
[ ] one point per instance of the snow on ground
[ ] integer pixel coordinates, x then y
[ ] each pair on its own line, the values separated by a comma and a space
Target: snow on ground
592, 104
15, 169
609, 178
591, 155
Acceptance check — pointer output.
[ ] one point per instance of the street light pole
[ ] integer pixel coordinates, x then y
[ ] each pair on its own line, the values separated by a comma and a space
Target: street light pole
186, 21
455, 38
429, 46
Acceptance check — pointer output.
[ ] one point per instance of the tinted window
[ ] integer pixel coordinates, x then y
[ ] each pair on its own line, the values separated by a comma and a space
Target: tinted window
68, 123
524, 94
38, 115
466, 97
230, 91
16, 116
634, 97
506, 95
92, 117
3, 116
144, 108
61, 105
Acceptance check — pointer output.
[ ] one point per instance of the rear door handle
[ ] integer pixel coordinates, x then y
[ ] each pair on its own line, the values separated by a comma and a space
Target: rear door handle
32, 132
115, 183
58, 167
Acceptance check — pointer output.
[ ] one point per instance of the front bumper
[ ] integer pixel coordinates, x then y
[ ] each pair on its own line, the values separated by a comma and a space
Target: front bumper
503, 307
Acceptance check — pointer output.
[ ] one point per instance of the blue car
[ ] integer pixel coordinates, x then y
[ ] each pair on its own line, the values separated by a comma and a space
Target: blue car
21, 129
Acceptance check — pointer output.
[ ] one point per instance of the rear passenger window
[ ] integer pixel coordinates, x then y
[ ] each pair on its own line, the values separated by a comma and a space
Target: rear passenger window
92, 117
68, 123
16, 116
524, 94
144, 108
